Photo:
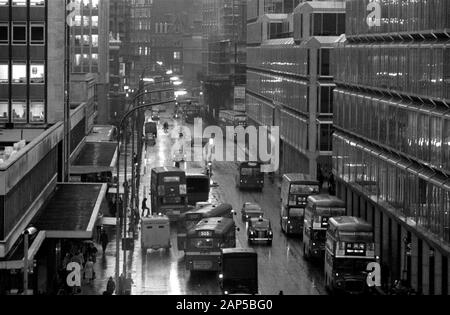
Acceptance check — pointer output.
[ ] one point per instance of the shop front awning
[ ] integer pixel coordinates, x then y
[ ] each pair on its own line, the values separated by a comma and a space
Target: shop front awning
72, 212
95, 157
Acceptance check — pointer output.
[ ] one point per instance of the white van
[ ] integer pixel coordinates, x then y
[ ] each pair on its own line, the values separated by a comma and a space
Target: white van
155, 233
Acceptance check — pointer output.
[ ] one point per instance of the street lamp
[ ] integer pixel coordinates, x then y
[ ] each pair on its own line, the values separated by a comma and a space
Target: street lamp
26, 234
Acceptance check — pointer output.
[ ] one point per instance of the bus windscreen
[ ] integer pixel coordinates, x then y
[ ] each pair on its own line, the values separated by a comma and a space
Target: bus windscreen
172, 179
304, 189
197, 185
250, 171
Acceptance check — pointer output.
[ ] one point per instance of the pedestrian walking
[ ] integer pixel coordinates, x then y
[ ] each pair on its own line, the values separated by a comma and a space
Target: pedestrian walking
66, 261
320, 177
128, 284
104, 241
111, 286
89, 271
331, 185
144, 208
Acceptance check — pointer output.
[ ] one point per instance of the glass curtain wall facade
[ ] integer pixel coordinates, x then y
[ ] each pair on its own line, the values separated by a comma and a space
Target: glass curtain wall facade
392, 141
289, 83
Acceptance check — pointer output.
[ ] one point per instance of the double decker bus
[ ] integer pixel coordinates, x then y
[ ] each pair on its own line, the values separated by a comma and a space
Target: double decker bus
250, 176
205, 241
192, 110
319, 210
231, 118
189, 219
198, 188
168, 192
350, 247
295, 190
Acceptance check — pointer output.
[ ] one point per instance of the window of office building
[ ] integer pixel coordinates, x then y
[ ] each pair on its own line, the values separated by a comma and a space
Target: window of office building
326, 99
4, 2
37, 73
37, 3
4, 34
37, 34
177, 55
4, 73
19, 3
4, 108
324, 62
326, 137
37, 112
19, 33
19, 73
19, 111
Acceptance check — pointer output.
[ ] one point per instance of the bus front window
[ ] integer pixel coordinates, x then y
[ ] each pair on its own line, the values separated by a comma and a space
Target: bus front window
202, 243
250, 172
348, 265
304, 189
319, 235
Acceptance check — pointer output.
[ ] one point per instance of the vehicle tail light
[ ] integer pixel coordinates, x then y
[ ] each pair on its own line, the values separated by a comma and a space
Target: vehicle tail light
161, 190
183, 190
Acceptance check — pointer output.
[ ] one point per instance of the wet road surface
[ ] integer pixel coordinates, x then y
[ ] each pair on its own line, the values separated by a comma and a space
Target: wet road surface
281, 266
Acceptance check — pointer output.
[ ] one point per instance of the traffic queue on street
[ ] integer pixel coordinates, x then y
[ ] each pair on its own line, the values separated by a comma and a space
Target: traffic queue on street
206, 232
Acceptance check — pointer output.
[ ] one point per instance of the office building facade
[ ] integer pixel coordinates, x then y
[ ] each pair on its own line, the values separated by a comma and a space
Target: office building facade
224, 52
289, 77
31, 80
391, 147
89, 48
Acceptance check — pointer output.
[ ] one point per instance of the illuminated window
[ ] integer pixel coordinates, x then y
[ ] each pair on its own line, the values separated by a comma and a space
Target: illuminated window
19, 3
4, 109
37, 3
177, 55
19, 111
4, 73
37, 73
19, 73
37, 112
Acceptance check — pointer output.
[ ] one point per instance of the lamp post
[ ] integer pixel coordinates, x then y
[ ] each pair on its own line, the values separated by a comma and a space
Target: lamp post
120, 126
26, 234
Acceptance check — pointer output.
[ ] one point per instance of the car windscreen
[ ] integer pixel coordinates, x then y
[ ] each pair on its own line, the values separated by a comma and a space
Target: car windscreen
250, 171
261, 224
296, 212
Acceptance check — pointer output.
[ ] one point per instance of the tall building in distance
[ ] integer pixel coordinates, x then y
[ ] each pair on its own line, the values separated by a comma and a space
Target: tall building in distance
89, 47
224, 52
289, 80
157, 32
391, 152
192, 48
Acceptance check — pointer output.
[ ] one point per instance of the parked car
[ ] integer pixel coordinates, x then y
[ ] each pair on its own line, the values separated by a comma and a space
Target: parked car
259, 230
251, 210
